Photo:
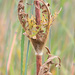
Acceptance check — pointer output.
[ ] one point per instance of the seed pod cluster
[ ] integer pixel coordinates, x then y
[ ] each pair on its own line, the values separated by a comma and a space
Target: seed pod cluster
37, 34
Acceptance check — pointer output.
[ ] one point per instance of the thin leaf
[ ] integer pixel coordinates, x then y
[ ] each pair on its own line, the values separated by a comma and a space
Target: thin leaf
22, 50
26, 58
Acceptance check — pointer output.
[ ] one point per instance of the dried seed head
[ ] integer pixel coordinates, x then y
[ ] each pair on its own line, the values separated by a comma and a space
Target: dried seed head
44, 70
37, 34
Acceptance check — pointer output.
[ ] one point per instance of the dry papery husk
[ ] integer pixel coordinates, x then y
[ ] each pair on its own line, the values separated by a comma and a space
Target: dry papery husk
39, 40
44, 69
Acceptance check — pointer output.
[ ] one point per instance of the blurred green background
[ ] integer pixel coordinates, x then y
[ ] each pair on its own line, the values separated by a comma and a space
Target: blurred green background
61, 40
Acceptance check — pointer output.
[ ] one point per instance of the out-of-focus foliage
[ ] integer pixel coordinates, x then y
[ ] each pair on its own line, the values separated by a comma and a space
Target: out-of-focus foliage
62, 37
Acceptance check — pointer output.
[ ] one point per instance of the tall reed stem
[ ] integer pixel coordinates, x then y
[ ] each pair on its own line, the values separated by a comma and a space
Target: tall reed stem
38, 62
37, 13
38, 21
10, 54
22, 50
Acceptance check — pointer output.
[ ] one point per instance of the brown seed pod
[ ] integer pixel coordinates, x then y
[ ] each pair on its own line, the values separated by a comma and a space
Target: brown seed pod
37, 34
41, 38
21, 14
40, 41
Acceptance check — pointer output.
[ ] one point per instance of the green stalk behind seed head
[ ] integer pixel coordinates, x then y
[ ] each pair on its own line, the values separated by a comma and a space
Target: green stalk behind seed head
26, 58
27, 48
22, 50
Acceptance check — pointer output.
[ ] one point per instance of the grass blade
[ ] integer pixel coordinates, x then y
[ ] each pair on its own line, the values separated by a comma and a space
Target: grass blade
22, 50
50, 39
26, 58
10, 54
50, 31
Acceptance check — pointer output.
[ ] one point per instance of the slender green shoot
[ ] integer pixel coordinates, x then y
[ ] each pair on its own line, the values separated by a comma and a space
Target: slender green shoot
26, 58
22, 50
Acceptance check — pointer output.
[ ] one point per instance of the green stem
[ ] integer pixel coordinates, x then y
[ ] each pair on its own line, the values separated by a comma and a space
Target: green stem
26, 58
22, 50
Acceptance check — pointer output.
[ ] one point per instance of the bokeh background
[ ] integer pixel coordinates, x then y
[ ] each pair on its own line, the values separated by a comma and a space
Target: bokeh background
61, 40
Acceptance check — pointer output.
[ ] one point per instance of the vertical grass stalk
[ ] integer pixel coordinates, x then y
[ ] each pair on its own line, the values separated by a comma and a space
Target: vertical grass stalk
38, 62
10, 54
26, 58
50, 30
22, 50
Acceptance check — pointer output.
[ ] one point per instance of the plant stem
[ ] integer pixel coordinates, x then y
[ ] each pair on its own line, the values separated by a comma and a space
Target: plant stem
38, 22
72, 69
37, 13
38, 63
10, 54
22, 50
27, 58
